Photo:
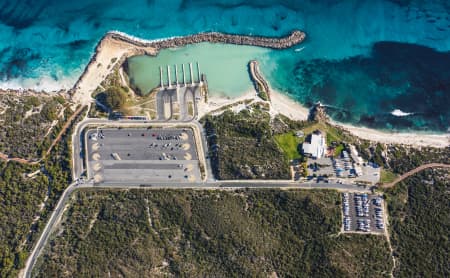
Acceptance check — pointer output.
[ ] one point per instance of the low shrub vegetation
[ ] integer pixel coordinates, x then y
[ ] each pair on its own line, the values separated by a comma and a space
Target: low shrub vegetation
419, 210
192, 233
242, 146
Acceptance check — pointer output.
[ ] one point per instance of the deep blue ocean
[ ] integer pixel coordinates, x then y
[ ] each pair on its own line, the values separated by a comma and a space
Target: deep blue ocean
364, 59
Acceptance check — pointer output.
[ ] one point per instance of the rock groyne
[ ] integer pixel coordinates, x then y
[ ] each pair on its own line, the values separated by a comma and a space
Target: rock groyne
261, 84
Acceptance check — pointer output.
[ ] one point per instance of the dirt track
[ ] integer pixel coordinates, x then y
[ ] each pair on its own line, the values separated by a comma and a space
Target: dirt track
414, 171
55, 141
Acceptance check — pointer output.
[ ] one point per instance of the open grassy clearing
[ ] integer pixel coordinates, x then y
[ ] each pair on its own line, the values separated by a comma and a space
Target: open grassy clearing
289, 143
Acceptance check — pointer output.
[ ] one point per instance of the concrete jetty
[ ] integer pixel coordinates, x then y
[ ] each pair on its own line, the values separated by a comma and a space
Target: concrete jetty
177, 83
176, 75
168, 76
161, 82
192, 73
198, 73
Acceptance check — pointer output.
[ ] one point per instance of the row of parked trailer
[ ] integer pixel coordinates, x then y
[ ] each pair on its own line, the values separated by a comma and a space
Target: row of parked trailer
168, 137
362, 210
362, 205
347, 219
362, 216
378, 213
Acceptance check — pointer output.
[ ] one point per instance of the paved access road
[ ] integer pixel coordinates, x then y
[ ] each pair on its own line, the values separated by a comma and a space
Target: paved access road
54, 218
208, 183
238, 184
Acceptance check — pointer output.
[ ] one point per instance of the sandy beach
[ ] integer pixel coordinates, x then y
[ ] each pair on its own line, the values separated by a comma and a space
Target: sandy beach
109, 52
288, 107
216, 102
294, 110
414, 139
280, 104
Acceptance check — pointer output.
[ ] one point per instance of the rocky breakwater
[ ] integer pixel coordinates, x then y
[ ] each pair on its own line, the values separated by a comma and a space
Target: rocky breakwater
292, 39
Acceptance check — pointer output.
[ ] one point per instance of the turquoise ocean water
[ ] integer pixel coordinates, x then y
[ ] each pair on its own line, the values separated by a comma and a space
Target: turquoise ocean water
365, 59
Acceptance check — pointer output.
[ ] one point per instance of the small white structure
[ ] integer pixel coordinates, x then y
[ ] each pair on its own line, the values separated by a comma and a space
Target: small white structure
299, 133
355, 156
317, 147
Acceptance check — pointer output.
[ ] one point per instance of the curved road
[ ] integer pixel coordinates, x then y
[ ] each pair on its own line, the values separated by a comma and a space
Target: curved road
415, 171
56, 214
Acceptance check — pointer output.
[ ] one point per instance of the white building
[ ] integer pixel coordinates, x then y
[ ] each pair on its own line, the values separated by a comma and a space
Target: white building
317, 147
355, 156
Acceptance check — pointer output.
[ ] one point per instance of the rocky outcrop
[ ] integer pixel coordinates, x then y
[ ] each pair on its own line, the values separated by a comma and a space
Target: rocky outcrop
318, 113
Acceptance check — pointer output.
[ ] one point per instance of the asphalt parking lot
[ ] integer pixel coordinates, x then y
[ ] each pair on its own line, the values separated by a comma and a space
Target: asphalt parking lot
141, 155
363, 213
329, 167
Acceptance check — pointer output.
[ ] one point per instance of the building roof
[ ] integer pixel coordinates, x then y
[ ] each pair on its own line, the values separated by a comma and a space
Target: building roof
316, 148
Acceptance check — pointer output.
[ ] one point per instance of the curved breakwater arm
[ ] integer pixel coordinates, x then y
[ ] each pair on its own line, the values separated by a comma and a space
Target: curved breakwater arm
295, 37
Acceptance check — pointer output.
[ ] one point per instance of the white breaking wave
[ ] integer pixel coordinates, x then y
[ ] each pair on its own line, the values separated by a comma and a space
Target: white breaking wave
44, 83
400, 113
48, 84
134, 38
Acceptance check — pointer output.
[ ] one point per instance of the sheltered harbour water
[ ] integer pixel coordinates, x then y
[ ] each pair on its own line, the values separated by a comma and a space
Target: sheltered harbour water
225, 66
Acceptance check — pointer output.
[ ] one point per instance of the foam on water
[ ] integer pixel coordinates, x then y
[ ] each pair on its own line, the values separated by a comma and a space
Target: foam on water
43, 83
400, 113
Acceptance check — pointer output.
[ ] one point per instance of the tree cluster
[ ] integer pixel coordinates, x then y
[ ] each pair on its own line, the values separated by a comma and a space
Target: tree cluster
114, 98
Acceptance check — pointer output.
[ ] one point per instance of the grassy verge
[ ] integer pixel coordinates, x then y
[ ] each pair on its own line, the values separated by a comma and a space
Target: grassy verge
338, 150
387, 176
289, 143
